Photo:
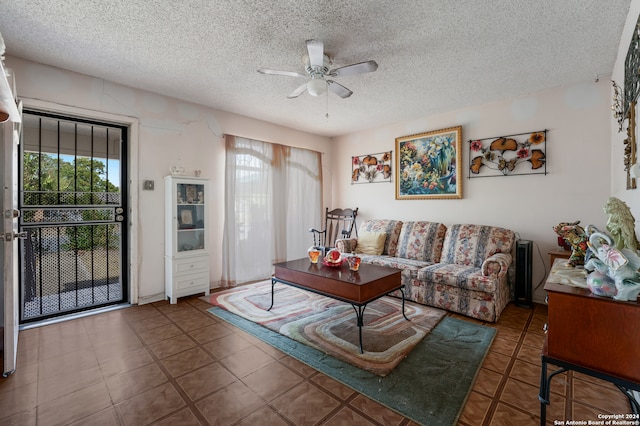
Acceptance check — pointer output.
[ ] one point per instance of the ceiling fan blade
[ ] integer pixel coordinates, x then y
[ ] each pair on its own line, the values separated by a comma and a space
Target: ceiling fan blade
339, 89
360, 68
316, 53
299, 91
276, 72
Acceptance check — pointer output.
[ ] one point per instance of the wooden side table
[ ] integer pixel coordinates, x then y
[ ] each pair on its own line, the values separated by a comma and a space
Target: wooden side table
558, 254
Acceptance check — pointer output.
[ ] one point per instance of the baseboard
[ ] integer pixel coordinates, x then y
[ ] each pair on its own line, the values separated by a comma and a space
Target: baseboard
158, 297
539, 300
143, 300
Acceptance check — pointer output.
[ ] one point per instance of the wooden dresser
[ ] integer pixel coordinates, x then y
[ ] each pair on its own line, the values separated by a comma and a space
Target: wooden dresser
591, 334
592, 331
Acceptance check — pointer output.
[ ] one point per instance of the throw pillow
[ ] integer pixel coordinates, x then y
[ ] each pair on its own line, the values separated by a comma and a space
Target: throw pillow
371, 242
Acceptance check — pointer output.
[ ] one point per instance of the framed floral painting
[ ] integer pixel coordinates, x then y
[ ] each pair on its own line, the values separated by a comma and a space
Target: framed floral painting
371, 168
428, 165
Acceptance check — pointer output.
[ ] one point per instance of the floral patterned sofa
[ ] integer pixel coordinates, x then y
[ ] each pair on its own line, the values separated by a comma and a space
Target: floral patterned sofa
462, 268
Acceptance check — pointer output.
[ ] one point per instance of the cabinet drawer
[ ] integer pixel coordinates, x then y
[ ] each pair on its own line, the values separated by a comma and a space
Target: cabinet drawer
192, 281
188, 266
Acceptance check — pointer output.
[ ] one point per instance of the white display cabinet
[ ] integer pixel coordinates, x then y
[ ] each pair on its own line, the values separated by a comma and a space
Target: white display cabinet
186, 236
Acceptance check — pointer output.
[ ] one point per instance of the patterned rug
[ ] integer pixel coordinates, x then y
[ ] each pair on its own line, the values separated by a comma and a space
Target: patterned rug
430, 386
330, 325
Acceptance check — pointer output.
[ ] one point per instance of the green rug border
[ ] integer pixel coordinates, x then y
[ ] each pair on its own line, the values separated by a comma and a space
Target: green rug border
401, 391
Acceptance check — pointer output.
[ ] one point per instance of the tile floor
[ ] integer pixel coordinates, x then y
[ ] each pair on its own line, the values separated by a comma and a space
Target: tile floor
178, 365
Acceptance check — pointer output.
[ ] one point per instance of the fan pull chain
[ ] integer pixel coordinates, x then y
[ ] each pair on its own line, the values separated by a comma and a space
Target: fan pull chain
327, 114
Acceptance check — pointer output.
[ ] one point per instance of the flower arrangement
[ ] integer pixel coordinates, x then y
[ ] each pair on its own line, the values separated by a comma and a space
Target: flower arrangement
371, 168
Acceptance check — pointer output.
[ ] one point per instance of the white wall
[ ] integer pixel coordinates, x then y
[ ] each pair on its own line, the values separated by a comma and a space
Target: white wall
618, 175
171, 132
584, 157
578, 164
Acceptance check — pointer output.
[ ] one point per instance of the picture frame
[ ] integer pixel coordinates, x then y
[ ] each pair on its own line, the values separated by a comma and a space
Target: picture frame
191, 194
187, 217
428, 165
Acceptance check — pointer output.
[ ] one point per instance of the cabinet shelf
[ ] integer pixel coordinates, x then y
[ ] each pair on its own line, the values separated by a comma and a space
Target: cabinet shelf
186, 237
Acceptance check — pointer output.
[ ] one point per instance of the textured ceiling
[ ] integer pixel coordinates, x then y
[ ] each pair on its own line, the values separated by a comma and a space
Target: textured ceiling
433, 55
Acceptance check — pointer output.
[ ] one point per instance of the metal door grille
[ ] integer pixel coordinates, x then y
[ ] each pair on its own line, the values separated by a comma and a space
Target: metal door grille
73, 208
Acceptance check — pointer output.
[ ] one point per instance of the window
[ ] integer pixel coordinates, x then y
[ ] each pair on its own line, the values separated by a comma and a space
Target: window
273, 196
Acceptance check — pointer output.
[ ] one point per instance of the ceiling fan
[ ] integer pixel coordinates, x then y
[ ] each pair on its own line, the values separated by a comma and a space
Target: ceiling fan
316, 65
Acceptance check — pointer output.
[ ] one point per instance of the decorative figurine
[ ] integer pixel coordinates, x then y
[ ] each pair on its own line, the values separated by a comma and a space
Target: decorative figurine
620, 265
333, 258
575, 235
621, 224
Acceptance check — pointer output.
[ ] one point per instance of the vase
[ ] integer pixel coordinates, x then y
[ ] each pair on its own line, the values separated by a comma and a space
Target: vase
314, 254
354, 262
601, 284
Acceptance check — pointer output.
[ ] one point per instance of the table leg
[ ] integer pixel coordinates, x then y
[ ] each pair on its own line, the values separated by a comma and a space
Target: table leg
633, 402
273, 283
543, 396
403, 314
545, 387
360, 321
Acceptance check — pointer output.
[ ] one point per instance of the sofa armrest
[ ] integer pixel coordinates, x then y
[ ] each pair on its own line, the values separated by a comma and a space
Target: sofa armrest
346, 245
496, 265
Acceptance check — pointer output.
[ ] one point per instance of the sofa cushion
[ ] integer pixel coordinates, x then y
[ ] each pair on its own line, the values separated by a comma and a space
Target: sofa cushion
409, 267
389, 227
462, 276
470, 245
421, 241
371, 242
476, 304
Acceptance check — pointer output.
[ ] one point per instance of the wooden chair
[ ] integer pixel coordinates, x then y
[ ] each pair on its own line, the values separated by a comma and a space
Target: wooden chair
338, 223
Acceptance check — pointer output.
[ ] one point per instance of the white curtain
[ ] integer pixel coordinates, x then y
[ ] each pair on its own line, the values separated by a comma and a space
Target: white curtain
273, 196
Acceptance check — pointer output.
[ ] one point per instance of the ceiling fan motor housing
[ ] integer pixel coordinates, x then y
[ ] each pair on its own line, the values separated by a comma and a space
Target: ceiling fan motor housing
316, 71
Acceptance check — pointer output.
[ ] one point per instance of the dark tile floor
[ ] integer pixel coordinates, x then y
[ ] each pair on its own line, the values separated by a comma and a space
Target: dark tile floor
178, 365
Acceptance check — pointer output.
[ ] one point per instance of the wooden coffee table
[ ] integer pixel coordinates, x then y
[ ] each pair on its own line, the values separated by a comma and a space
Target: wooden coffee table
358, 288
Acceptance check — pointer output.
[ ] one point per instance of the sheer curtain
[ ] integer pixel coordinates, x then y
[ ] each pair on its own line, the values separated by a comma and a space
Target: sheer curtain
273, 196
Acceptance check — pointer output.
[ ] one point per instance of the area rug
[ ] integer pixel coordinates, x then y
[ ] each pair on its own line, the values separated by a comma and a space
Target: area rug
330, 325
430, 386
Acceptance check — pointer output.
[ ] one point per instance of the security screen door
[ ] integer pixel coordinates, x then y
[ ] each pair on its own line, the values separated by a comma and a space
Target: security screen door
73, 203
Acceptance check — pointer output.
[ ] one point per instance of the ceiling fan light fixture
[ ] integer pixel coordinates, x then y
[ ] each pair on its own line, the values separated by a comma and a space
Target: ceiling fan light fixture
317, 86
316, 65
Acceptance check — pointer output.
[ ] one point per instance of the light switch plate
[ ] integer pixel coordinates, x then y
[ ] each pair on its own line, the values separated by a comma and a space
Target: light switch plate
147, 185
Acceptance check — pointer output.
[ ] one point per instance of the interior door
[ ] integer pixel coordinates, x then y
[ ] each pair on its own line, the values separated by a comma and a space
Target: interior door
10, 213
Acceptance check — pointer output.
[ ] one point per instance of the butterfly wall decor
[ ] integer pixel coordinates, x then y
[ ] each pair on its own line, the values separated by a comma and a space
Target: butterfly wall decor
371, 168
519, 154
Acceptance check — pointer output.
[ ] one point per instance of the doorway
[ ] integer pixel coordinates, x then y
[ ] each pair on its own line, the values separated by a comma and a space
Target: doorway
73, 199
